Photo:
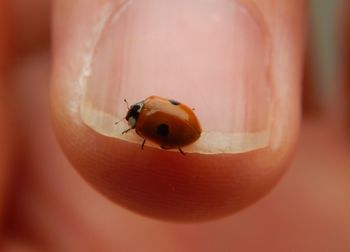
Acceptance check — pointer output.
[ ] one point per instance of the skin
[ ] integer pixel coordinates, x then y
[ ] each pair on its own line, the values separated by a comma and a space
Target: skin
182, 196
50, 208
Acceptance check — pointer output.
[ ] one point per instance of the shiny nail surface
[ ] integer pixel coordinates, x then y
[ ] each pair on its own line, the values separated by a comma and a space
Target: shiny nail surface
212, 55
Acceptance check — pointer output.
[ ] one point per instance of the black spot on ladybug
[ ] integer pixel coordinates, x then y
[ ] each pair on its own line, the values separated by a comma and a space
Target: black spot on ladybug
174, 102
163, 130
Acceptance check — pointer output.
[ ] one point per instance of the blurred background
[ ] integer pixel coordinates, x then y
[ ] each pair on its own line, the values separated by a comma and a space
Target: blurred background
308, 211
324, 32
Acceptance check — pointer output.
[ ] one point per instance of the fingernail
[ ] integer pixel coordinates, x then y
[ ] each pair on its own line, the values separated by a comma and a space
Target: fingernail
211, 55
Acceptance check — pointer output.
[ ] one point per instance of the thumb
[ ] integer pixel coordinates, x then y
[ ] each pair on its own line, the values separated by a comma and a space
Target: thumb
238, 64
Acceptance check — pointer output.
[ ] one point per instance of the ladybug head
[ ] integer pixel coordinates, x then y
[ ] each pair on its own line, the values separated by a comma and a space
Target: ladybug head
133, 114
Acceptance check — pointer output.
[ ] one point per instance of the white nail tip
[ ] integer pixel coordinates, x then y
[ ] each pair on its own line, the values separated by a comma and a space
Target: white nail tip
209, 142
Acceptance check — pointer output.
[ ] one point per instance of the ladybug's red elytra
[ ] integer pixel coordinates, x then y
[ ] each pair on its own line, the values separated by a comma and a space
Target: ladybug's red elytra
166, 122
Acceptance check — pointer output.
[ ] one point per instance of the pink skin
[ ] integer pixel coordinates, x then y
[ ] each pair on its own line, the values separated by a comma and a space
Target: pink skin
55, 210
198, 187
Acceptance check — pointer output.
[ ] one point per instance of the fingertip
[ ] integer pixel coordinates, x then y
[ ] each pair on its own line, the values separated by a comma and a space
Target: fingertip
167, 185
163, 184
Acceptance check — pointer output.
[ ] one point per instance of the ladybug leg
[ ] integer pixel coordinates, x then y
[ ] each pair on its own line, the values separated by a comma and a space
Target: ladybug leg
166, 148
182, 152
143, 144
126, 131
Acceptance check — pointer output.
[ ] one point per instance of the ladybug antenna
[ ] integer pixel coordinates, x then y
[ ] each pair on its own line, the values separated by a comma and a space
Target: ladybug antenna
118, 122
127, 104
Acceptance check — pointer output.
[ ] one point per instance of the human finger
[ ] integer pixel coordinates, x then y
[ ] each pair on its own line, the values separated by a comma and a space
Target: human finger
238, 63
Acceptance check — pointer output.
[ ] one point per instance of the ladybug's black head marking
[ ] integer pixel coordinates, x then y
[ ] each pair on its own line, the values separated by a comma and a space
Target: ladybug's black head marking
174, 102
133, 114
163, 130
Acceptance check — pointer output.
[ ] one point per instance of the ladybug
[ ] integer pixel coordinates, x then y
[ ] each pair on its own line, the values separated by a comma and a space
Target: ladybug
166, 122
